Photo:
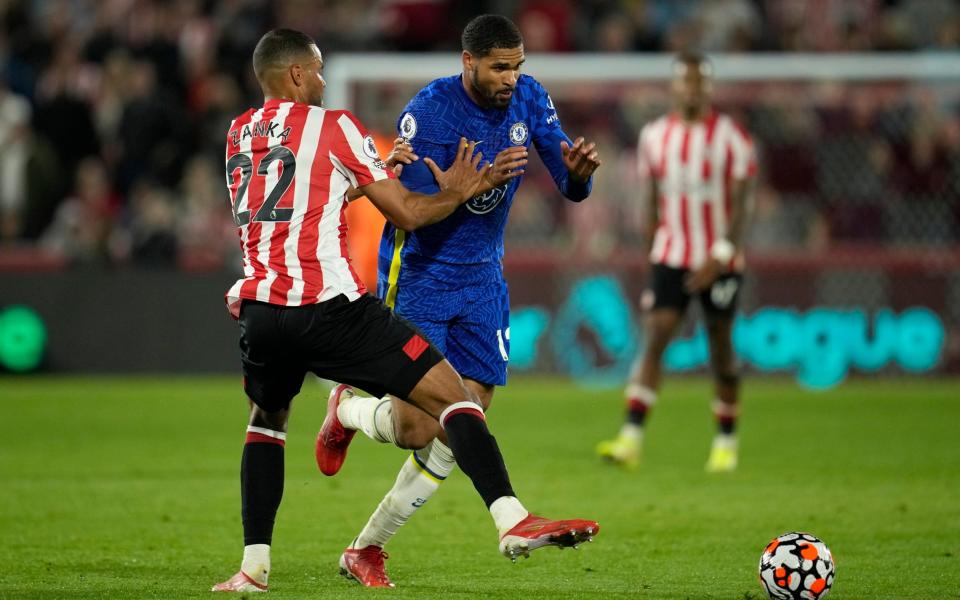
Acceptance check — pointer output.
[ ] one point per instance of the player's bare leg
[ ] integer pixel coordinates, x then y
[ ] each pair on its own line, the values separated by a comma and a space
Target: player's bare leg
443, 395
660, 325
723, 453
261, 488
419, 477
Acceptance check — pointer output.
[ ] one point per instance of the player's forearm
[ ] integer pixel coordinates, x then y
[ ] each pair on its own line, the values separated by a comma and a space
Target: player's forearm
353, 193
426, 209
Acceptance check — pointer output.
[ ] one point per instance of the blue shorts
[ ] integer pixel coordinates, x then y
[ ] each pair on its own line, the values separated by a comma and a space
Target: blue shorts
468, 321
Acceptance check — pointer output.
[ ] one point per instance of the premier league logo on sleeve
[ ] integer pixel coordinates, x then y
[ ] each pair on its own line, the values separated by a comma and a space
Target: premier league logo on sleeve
408, 126
518, 133
370, 147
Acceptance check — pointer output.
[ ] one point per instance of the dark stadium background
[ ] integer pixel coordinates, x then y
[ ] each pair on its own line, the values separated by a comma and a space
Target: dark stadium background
119, 371
113, 221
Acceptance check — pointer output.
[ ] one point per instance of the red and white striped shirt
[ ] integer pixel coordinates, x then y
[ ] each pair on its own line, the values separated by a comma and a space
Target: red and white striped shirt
694, 165
289, 166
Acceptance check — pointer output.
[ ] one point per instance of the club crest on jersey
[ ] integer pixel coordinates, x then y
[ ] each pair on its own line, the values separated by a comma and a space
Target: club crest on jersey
484, 203
518, 133
408, 126
370, 148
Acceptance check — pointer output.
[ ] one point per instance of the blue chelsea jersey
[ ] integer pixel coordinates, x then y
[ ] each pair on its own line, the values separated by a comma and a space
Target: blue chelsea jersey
434, 121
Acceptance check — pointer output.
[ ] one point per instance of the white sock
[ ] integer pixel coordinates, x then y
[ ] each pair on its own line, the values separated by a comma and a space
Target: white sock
640, 392
256, 562
507, 512
631, 431
725, 440
372, 416
418, 479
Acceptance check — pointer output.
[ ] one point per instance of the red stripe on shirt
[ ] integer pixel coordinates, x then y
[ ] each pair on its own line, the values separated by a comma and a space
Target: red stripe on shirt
685, 146
661, 168
727, 175
711, 124
708, 224
684, 199
320, 173
353, 156
685, 224
255, 196
278, 256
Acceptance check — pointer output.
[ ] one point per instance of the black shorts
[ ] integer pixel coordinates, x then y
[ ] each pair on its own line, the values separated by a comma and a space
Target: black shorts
666, 290
360, 343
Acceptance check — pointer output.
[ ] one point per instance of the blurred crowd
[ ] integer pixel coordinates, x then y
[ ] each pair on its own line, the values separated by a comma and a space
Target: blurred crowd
875, 163
113, 113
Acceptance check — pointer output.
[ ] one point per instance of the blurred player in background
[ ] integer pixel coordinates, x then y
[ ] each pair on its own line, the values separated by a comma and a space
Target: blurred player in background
700, 168
447, 278
301, 307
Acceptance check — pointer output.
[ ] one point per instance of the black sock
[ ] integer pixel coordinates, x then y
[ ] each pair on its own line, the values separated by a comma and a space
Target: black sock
261, 488
637, 411
726, 425
478, 455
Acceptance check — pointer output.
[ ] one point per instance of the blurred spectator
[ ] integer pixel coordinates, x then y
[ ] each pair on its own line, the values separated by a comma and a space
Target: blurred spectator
823, 25
112, 104
83, 228
929, 23
546, 25
63, 111
153, 220
413, 25
207, 236
14, 139
728, 25
614, 33
150, 131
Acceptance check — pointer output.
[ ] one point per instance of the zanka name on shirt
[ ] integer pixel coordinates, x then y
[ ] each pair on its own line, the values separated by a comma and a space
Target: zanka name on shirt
259, 129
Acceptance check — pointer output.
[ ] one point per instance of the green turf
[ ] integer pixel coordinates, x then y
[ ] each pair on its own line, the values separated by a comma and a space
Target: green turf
128, 488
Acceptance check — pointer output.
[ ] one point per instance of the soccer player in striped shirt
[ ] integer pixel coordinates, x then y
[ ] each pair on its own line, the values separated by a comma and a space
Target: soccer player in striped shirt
699, 167
447, 278
290, 166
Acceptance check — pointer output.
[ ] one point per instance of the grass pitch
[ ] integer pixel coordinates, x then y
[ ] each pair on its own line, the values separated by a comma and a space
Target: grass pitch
129, 488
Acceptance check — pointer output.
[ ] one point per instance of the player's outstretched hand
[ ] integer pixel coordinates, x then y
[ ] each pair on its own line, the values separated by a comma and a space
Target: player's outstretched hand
581, 159
508, 164
401, 154
465, 174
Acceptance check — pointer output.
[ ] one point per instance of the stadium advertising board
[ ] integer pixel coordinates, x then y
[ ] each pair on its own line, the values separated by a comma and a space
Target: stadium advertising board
593, 336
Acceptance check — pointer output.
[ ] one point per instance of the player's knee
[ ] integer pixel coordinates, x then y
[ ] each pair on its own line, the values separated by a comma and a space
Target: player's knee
276, 420
413, 435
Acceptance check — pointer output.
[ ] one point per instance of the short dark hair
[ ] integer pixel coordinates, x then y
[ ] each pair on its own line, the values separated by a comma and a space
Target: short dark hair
487, 32
279, 48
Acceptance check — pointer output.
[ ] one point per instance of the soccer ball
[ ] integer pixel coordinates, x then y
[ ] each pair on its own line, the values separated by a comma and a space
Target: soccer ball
796, 566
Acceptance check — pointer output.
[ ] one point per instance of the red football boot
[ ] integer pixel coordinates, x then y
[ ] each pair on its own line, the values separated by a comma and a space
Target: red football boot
536, 532
241, 582
365, 565
334, 438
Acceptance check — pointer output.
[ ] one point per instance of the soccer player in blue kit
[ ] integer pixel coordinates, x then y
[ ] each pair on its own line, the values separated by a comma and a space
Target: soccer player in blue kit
447, 278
